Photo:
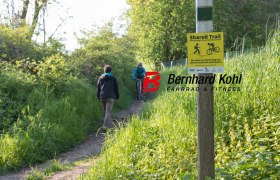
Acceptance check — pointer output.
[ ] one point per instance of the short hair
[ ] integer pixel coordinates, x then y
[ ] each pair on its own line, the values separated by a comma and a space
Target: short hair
107, 68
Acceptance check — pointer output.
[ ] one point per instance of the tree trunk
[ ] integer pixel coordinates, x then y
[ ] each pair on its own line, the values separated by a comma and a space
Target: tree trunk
37, 9
39, 4
24, 10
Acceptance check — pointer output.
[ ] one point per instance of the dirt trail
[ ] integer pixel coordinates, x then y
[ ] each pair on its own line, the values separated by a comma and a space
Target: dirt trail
91, 147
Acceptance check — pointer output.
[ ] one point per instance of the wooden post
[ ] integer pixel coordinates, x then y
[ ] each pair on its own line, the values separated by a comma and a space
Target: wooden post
205, 101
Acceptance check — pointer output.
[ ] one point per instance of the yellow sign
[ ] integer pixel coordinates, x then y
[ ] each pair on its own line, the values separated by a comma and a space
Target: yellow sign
205, 52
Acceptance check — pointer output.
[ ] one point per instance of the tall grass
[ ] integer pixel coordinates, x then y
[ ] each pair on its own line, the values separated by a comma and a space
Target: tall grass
45, 114
161, 144
49, 125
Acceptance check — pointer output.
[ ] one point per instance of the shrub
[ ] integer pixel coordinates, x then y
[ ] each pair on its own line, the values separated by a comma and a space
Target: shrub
16, 45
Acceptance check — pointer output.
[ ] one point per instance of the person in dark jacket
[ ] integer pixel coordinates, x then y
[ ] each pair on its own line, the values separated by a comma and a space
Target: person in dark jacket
107, 93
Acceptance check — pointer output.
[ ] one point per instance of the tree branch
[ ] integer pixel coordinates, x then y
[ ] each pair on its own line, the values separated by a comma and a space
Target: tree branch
57, 28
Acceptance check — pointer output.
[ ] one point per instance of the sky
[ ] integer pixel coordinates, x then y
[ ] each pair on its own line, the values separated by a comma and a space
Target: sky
79, 15
84, 14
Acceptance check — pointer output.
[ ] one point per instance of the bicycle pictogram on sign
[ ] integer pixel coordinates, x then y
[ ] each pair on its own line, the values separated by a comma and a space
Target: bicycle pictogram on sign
212, 48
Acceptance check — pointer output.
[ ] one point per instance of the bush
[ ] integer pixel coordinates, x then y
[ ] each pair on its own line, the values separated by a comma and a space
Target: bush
15, 44
43, 114
105, 47
13, 89
48, 101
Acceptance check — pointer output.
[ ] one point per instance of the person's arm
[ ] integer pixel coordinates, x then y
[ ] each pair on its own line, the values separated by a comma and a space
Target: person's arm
98, 88
133, 74
116, 85
144, 72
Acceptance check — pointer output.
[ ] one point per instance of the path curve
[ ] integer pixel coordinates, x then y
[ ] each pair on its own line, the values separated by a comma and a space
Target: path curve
91, 147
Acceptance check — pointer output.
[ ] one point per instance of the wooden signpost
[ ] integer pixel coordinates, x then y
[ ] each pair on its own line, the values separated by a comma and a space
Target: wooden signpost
205, 57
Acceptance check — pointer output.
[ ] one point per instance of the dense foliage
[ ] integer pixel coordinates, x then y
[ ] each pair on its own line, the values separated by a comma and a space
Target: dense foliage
15, 44
49, 105
162, 144
101, 47
44, 114
160, 27
250, 20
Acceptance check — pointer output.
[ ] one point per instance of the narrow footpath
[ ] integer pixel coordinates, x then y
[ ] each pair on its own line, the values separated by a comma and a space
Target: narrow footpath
91, 147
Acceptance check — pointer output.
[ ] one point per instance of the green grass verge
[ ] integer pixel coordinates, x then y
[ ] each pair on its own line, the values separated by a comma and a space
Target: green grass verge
54, 167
